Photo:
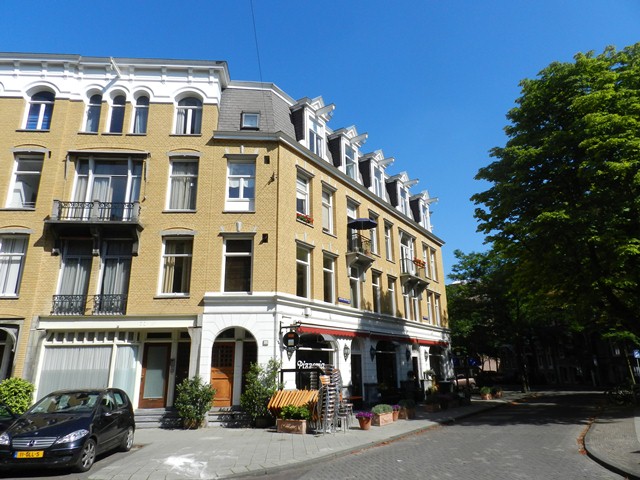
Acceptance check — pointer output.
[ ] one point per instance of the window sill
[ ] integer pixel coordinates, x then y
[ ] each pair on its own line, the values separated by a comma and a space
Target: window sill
37, 130
238, 211
87, 133
179, 211
185, 134
112, 134
164, 296
9, 297
331, 234
18, 209
304, 223
137, 134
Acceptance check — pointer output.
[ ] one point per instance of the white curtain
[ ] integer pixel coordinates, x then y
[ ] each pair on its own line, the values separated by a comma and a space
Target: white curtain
11, 255
124, 376
74, 367
183, 185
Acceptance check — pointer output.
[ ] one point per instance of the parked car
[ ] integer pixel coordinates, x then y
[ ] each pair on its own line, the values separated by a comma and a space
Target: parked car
461, 381
69, 428
7, 417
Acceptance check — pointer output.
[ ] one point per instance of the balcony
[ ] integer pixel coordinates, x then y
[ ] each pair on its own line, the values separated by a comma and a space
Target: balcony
95, 220
413, 274
359, 251
114, 304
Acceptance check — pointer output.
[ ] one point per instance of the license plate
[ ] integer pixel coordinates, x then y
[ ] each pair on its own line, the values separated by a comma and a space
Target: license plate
30, 454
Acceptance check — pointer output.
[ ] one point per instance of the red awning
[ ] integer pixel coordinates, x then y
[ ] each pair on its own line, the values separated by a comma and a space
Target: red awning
378, 336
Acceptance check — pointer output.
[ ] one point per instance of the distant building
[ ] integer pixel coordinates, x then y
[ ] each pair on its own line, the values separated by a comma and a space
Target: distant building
161, 221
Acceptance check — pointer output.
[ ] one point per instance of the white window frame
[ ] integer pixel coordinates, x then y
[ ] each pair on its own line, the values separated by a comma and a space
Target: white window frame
327, 210
376, 291
11, 195
247, 183
12, 263
250, 121
315, 137
388, 241
185, 177
43, 108
140, 119
391, 291
407, 253
303, 203
351, 162
303, 265
117, 113
355, 286
329, 278
433, 264
226, 254
373, 233
164, 263
429, 308
378, 183
415, 304
191, 124
403, 200
93, 109
406, 300
436, 306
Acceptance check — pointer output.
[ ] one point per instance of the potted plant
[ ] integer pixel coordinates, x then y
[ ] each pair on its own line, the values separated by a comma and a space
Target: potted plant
485, 393
407, 409
396, 412
293, 419
496, 392
364, 419
432, 403
382, 414
193, 401
261, 384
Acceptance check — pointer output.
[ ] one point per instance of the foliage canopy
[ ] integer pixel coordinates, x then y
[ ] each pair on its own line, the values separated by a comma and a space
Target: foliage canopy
564, 205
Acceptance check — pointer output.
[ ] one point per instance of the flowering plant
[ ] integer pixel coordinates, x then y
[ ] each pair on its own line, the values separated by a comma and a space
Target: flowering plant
304, 217
395, 407
418, 262
364, 415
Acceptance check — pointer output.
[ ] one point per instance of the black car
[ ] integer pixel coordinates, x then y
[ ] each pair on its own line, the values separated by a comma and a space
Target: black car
7, 417
69, 428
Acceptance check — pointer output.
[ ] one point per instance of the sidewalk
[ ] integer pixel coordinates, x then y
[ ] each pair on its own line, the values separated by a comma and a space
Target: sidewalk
613, 440
219, 452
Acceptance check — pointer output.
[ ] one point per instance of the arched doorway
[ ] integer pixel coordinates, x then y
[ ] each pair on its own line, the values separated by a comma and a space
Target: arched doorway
233, 351
7, 344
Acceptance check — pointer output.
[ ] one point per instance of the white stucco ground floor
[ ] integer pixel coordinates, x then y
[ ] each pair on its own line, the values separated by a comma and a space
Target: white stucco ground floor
148, 356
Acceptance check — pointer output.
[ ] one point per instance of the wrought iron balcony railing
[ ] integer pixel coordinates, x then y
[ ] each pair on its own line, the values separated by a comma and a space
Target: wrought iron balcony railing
69, 304
96, 211
359, 243
115, 304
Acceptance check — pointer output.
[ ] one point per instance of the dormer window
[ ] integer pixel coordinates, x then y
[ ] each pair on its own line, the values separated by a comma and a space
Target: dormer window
403, 200
316, 137
350, 163
378, 182
250, 121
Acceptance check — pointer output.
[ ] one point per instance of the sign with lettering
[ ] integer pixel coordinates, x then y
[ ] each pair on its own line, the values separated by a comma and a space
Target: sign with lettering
302, 365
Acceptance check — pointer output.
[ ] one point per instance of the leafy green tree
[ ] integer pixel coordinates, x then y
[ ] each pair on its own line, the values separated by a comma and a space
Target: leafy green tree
17, 394
564, 203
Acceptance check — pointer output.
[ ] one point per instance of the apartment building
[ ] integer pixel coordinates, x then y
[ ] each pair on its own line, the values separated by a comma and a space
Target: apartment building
162, 221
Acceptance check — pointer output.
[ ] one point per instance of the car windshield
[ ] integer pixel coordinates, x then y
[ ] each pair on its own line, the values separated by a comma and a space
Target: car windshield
69, 402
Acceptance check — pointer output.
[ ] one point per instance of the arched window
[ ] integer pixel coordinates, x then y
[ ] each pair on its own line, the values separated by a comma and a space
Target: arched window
117, 114
189, 116
141, 115
93, 113
40, 111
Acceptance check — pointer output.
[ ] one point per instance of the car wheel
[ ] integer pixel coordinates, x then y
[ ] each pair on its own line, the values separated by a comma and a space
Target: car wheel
87, 456
127, 440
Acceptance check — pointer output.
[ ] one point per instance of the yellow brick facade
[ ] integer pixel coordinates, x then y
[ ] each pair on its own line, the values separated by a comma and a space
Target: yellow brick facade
199, 318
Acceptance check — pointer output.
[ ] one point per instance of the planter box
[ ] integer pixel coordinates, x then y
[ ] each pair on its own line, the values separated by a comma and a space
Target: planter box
291, 426
407, 413
432, 407
382, 419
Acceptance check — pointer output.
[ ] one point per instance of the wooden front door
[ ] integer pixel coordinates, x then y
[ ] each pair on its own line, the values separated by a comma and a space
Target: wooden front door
155, 375
222, 373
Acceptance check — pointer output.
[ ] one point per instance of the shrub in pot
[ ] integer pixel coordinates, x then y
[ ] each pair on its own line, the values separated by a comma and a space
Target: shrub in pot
261, 382
485, 393
293, 419
17, 394
193, 401
364, 419
382, 414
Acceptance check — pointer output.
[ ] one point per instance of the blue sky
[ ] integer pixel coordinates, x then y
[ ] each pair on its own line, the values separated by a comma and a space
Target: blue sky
430, 81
